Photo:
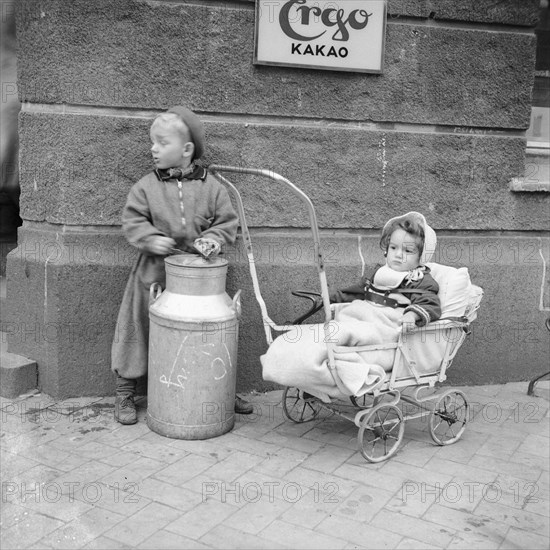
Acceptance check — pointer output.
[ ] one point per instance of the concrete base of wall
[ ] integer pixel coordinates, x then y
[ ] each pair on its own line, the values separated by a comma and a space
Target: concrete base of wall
65, 285
18, 375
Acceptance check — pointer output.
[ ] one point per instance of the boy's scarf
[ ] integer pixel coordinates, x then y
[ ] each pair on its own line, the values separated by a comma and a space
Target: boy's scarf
192, 172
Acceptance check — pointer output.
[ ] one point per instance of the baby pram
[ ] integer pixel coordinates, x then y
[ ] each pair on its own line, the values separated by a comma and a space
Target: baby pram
419, 360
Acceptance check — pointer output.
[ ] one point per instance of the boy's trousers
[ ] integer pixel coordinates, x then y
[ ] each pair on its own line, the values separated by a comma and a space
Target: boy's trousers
130, 349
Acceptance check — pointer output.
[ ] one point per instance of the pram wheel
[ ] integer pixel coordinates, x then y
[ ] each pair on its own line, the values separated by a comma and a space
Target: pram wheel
381, 432
449, 417
298, 409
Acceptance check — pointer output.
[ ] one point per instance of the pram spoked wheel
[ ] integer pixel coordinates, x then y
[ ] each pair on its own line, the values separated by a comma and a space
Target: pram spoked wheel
298, 409
381, 432
449, 417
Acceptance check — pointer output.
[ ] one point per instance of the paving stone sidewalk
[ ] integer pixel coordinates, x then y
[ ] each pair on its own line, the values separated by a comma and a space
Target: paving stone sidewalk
73, 478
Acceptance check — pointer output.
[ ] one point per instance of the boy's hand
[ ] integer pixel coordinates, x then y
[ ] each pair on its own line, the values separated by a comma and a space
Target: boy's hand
207, 247
162, 246
408, 322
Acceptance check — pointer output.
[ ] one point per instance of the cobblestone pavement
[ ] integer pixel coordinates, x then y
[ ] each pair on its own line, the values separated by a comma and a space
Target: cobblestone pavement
73, 478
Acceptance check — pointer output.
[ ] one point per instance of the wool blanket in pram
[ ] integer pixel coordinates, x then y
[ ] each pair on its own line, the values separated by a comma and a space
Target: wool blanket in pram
299, 357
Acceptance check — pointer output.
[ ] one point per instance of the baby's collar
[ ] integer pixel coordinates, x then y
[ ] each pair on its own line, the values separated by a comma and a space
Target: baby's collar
416, 274
390, 276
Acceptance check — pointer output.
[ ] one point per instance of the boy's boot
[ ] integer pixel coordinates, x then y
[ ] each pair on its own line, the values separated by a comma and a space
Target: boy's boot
242, 406
125, 408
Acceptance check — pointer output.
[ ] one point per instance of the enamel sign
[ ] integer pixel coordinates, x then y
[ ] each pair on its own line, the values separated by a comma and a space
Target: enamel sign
338, 35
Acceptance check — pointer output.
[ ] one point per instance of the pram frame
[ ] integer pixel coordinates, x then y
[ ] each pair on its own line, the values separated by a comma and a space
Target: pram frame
369, 417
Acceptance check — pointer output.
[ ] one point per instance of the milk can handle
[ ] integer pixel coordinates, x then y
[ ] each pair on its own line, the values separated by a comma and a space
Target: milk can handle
237, 303
155, 290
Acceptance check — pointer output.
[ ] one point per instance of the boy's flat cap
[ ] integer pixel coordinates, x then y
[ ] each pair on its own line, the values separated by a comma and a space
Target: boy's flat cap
196, 128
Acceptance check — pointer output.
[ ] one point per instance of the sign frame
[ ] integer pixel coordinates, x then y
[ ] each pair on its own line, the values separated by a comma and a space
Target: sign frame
258, 29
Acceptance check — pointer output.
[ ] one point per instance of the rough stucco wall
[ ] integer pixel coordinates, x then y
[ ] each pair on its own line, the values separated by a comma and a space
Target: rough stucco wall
457, 178
441, 131
116, 56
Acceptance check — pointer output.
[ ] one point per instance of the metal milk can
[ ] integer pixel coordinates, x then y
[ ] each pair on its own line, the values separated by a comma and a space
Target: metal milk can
193, 339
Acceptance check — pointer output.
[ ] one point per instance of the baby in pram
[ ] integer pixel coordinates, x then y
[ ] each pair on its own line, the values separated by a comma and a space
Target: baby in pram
404, 282
372, 314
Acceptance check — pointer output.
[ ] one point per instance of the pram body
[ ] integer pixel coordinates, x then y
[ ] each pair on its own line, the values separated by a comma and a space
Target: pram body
378, 409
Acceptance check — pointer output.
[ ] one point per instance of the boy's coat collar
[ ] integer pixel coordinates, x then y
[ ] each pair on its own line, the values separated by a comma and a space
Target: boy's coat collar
192, 172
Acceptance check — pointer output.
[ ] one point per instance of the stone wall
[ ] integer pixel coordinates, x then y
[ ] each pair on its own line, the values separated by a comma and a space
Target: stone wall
441, 130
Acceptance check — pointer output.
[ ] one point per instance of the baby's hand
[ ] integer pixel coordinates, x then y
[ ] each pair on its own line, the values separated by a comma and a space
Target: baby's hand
207, 247
162, 246
408, 322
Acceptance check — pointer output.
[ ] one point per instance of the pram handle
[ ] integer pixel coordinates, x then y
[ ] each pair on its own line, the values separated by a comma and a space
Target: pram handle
268, 323
215, 170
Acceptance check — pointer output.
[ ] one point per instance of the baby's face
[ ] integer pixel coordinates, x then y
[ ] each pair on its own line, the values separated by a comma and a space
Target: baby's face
169, 148
403, 252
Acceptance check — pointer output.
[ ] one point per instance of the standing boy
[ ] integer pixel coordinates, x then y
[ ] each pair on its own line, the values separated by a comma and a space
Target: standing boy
177, 206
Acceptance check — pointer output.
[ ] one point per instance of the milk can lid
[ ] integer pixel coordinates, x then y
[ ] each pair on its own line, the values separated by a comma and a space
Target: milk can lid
195, 260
